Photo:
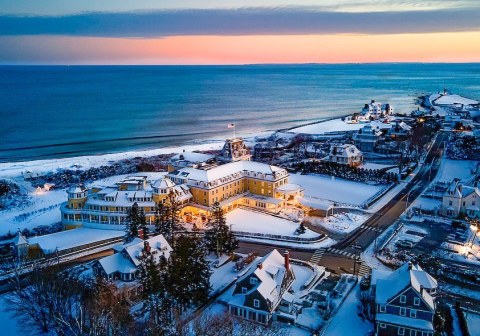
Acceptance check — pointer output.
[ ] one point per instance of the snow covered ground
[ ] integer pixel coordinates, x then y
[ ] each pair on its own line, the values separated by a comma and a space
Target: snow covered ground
256, 222
9, 324
426, 203
346, 321
341, 223
450, 169
335, 125
335, 189
473, 323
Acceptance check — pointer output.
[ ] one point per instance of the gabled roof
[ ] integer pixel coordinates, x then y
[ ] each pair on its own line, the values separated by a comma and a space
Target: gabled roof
271, 276
158, 246
389, 285
19, 239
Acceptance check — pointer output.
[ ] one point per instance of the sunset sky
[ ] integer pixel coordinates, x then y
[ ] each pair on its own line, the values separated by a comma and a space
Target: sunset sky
238, 32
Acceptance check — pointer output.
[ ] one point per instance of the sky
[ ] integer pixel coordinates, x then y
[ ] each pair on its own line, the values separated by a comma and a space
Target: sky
238, 32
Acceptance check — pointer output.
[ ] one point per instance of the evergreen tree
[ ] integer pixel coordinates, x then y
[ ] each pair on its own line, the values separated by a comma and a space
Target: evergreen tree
167, 218
142, 223
133, 223
188, 272
219, 238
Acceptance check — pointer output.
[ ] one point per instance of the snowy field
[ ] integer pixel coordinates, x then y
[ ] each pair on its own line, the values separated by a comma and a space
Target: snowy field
335, 125
256, 222
341, 223
451, 169
335, 189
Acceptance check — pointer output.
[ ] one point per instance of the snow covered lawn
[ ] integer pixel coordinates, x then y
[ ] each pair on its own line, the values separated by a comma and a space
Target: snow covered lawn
335, 189
72, 238
341, 223
335, 125
450, 169
426, 203
346, 321
256, 222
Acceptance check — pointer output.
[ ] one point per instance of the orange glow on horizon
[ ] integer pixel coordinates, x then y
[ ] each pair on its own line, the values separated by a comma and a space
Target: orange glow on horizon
433, 47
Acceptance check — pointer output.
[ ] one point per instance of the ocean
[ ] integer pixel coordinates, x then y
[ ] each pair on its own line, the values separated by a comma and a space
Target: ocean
64, 111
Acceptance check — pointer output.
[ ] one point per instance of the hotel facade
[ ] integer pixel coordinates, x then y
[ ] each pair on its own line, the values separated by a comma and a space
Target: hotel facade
233, 181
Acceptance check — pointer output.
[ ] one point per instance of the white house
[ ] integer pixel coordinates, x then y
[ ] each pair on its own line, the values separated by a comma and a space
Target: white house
461, 199
345, 154
376, 110
124, 263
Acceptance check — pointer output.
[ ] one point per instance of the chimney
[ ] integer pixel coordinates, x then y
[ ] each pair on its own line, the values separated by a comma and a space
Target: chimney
286, 255
147, 247
260, 266
141, 234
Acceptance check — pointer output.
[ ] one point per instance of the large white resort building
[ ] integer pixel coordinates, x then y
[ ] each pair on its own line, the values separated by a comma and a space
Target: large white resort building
232, 180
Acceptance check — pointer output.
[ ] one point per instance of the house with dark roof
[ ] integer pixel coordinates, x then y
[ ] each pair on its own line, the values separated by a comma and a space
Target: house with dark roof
258, 293
404, 301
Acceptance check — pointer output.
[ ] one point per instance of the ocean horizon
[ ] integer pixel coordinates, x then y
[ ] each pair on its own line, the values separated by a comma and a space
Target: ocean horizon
63, 111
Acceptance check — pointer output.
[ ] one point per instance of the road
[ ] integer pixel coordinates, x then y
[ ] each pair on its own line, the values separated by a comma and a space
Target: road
342, 259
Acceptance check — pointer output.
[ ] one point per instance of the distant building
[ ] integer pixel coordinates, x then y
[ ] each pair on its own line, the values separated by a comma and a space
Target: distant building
404, 301
367, 137
400, 130
124, 263
258, 293
189, 159
376, 110
234, 150
346, 154
461, 199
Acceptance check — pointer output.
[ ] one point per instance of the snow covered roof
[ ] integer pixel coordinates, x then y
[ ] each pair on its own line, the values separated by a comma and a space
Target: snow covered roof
315, 203
289, 187
76, 189
345, 150
73, 238
158, 244
192, 157
222, 171
127, 256
19, 239
117, 263
270, 274
391, 284
163, 183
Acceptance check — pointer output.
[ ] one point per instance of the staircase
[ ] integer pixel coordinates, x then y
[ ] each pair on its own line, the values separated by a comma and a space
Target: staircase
364, 270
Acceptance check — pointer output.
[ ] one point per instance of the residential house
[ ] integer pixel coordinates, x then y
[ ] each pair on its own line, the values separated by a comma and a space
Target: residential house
258, 293
124, 263
345, 154
366, 138
404, 301
460, 199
